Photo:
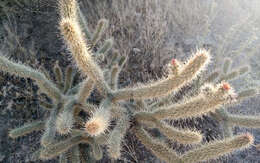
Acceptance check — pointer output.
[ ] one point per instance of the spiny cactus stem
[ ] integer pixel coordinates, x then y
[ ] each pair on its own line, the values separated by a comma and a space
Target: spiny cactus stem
85, 90
88, 108
196, 106
45, 72
114, 59
166, 86
74, 89
122, 61
26, 129
141, 105
246, 94
46, 105
221, 114
185, 137
75, 132
27, 72
87, 156
226, 65
65, 120
84, 23
117, 135
79, 121
68, 79
114, 77
161, 102
116, 111
54, 150
68, 9
227, 129
50, 128
145, 118
212, 77
58, 75
229, 76
218, 148
96, 150
73, 154
157, 148
102, 25
106, 47
73, 36
244, 121
63, 158
243, 70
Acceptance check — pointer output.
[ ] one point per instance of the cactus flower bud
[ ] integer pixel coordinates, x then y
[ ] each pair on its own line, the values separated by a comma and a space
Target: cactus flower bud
226, 86
174, 62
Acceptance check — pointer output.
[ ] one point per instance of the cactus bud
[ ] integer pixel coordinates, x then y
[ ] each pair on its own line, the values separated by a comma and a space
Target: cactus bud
174, 62
174, 67
226, 86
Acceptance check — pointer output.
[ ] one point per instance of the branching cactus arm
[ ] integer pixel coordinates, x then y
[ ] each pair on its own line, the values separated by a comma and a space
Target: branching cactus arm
27, 72
166, 86
207, 101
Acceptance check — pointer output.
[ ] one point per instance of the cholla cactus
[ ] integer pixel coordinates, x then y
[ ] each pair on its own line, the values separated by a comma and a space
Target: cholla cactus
226, 119
137, 117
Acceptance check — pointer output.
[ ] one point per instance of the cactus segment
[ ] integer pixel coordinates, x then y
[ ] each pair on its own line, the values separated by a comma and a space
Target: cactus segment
27, 129
244, 121
49, 135
68, 79
181, 136
114, 77
117, 136
84, 24
58, 75
54, 150
106, 47
226, 65
157, 148
80, 52
196, 106
27, 72
218, 148
101, 27
166, 86
84, 91
65, 119
68, 9
246, 93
